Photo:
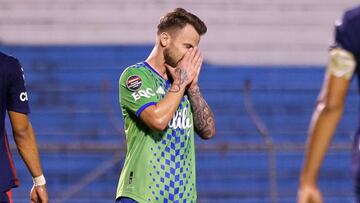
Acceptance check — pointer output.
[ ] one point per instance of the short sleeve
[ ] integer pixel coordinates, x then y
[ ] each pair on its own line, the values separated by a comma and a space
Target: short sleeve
17, 97
347, 34
137, 90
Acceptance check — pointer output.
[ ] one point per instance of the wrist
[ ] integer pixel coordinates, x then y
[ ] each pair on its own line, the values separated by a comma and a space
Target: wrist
306, 181
177, 87
179, 84
39, 180
194, 88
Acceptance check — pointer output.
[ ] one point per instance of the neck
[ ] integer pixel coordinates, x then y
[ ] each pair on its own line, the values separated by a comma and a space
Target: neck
156, 60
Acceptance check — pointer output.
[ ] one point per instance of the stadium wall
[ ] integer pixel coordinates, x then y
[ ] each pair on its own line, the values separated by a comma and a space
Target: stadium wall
251, 32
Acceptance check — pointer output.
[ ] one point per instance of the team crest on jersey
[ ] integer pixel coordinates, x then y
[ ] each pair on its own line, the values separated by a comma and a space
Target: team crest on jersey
134, 82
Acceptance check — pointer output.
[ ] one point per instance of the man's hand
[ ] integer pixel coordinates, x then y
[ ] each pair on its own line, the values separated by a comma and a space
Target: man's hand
186, 69
194, 83
309, 194
39, 194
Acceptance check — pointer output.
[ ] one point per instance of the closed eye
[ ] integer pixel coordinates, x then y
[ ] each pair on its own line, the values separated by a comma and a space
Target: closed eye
188, 46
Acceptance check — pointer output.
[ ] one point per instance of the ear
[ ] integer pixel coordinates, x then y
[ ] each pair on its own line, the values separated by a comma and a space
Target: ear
165, 39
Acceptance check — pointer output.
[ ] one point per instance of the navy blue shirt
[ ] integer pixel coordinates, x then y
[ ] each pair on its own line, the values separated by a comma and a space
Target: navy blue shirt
347, 35
13, 97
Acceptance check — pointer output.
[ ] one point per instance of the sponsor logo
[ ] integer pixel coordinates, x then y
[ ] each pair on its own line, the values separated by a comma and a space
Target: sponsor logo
160, 90
134, 82
147, 93
23, 96
180, 120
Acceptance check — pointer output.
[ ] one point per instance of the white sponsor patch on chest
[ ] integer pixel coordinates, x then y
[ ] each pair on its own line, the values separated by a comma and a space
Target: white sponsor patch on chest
147, 93
181, 119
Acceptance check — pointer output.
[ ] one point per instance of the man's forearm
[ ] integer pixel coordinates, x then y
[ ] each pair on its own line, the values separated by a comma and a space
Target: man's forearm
204, 121
158, 116
26, 145
168, 106
324, 123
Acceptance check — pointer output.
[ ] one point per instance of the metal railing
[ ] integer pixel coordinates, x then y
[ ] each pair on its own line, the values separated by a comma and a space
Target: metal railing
118, 149
264, 132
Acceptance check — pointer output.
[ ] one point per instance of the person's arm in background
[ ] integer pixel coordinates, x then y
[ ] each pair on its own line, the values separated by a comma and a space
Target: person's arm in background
26, 144
204, 120
327, 114
18, 109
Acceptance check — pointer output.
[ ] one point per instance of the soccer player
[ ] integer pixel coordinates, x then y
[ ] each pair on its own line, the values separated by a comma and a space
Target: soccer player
14, 99
344, 62
162, 105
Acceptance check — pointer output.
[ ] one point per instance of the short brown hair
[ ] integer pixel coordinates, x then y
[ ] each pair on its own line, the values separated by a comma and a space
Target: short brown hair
178, 19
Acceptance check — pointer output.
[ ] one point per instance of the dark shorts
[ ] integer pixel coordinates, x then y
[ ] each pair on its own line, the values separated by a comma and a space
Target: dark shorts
6, 197
125, 200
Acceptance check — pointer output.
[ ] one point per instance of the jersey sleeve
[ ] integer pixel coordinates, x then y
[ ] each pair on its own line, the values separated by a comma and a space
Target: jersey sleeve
137, 90
16, 92
347, 34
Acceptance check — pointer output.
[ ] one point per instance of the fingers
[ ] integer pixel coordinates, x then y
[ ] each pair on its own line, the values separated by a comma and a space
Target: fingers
192, 54
34, 200
318, 199
309, 195
199, 64
187, 58
196, 66
196, 57
38, 194
189, 67
42, 193
304, 198
301, 199
171, 70
168, 66
33, 195
190, 58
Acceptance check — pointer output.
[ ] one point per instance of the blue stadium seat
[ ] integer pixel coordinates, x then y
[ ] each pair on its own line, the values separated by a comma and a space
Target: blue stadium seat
74, 99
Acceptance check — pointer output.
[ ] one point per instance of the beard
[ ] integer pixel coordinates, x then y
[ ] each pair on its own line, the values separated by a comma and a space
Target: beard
169, 59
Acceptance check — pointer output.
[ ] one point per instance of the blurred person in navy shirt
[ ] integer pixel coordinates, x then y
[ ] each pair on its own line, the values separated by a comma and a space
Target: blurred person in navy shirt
14, 100
343, 65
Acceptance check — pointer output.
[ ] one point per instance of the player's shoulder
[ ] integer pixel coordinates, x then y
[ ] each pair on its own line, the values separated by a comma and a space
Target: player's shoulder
351, 19
136, 69
9, 66
353, 14
8, 63
347, 31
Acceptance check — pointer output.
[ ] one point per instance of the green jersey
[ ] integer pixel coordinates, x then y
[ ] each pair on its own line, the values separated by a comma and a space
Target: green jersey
159, 166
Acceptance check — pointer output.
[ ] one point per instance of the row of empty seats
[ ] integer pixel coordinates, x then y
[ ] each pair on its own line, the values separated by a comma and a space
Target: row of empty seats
73, 92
